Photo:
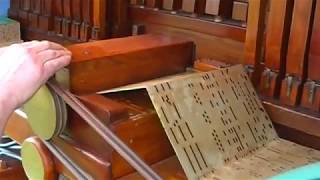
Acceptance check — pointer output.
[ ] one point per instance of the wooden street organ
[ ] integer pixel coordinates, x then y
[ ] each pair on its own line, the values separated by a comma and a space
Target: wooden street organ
75, 131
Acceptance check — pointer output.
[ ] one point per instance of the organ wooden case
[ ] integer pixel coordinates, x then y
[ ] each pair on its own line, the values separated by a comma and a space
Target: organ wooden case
119, 43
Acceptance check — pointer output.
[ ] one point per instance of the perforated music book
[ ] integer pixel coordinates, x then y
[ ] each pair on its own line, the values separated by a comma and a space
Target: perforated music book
219, 128
9, 31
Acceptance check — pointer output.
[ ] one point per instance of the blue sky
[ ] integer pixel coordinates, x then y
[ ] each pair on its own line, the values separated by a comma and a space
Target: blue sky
4, 4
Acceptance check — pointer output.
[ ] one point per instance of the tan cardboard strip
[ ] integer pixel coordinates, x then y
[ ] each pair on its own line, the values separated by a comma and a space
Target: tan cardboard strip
214, 120
219, 128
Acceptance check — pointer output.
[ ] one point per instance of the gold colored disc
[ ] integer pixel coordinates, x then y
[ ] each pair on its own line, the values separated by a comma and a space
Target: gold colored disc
37, 160
46, 113
32, 161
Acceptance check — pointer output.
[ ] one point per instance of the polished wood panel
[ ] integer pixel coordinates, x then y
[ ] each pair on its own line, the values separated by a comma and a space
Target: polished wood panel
23, 13
76, 19
311, 89
291, 89
156, 55
192, 24
87, 13
104, 108
120, 19
213, 40
299, 137
172, 5
13, 173
33, 14
84, 157
200, 7
226, 9
70, 21
299, 37
67, 18
46, 17
167, 169
277, 37
142, 129
255, 31
255, 40
99, 29
136, 2
58, 16
314, 55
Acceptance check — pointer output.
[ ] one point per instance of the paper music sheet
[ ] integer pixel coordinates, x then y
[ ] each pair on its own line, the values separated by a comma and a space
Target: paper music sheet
219, 129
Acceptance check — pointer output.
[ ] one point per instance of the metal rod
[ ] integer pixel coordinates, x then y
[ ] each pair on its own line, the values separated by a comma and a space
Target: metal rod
70, 165
105, 132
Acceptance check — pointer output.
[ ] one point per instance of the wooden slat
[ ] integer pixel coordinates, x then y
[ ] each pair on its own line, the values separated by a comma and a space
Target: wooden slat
34, 12
314, 55
255, 39
66, 23
296, 65
200, 7
86, 25
23, 12
255, 32
120, 19
311, 90
277, 37
225, 9
99, 30
299, 37
46, 19
302, 121
58, 16
76, 19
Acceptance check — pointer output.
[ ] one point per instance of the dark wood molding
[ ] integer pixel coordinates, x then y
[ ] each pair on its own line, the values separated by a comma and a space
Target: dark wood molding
188, 23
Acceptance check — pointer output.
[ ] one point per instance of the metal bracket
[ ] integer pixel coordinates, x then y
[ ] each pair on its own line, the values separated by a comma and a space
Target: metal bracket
312, 90
289, 80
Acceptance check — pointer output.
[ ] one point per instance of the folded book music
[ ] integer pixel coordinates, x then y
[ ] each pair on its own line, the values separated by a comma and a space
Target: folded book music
218, 127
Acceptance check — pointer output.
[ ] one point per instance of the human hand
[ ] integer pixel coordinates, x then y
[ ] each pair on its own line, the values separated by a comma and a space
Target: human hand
25, 67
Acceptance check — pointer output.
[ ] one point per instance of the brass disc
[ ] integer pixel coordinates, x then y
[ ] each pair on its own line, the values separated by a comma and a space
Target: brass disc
46, 112
36, 160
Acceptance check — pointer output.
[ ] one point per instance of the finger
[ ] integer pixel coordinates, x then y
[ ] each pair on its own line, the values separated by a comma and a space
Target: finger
45, 45
49, 55
53, 66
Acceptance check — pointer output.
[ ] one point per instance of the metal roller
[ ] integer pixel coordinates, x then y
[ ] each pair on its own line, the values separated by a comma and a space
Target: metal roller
36, 160
47, 113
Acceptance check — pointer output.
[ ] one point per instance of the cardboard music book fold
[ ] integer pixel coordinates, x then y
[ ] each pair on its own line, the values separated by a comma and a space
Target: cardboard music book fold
9, 32
219, 128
